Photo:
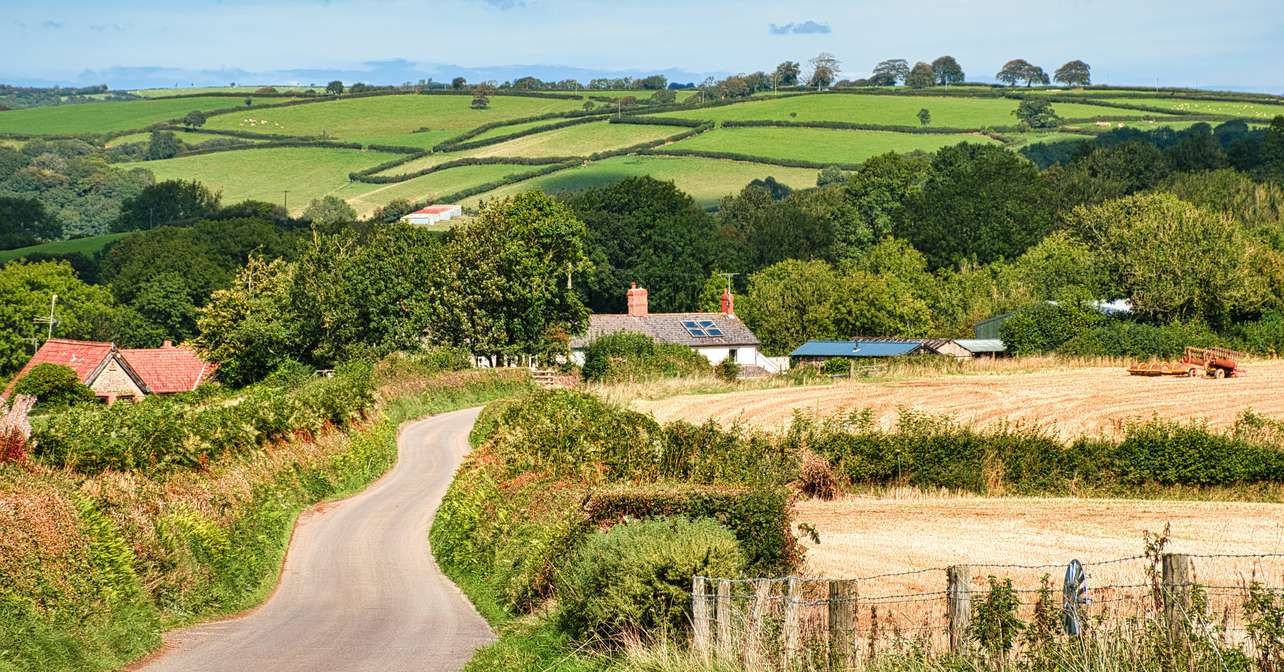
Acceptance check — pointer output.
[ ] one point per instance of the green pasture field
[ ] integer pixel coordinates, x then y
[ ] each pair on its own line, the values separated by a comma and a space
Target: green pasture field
579, 140
706, 180
821, 145
1025, 139
264, 174
957, 112
513, 128
111, 116
169, 92
185, 136
1234, 109
87, 246
365, 198
682, 94
389, 119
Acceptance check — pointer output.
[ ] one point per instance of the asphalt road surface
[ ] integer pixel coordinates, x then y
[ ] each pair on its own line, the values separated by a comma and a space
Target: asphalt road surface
360, 590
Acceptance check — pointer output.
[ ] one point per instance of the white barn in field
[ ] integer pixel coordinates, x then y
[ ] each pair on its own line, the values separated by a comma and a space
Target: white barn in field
717, 336
433, 214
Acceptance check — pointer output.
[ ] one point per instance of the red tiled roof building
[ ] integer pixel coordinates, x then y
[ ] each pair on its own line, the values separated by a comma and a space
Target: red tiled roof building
114, 373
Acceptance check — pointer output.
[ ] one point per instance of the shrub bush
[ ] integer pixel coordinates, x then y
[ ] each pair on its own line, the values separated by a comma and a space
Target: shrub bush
1043, 327
728, 370
634, 578
1125, 338
636, 357
54, 385
836, 366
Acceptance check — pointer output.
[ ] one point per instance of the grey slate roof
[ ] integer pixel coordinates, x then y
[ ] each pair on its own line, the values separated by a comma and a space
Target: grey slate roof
667, 328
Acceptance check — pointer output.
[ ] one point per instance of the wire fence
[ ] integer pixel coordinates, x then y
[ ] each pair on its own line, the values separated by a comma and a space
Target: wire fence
840, 620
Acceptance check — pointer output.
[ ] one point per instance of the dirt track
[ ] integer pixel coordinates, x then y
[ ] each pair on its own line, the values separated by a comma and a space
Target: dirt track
1071, 402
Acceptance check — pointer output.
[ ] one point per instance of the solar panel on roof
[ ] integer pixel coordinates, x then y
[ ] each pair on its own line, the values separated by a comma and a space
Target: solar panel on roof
701, 329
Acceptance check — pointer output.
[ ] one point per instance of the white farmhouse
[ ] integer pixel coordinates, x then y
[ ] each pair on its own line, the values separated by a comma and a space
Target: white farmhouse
717, 336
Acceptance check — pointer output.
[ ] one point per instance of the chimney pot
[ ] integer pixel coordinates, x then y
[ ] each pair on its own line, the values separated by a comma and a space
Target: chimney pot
168, 344
637, 301
728, 303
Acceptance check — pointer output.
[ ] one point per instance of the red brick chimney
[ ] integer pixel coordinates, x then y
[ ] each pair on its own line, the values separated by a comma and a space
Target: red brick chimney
637, 301
728, 303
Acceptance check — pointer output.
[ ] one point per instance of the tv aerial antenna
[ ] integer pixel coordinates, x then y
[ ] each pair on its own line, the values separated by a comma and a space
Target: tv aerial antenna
51, 320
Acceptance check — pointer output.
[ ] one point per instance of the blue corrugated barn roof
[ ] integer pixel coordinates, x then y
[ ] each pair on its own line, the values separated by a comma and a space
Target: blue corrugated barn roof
855, 349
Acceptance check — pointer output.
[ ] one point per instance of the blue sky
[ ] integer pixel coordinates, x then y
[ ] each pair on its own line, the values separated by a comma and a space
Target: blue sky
1233, 44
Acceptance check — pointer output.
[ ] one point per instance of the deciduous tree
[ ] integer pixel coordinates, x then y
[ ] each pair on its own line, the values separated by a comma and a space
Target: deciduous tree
1037, 113
786, 74
334, 88
979, 202
947, 71
890, 72
168, 202
824, 70
1074, 73
24, 221
921, 77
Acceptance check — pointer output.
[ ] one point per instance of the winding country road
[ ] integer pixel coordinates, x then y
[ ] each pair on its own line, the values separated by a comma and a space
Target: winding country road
359, 590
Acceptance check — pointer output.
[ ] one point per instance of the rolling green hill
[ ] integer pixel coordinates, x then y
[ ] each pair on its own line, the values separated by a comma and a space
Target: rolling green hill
710, 161
87, 246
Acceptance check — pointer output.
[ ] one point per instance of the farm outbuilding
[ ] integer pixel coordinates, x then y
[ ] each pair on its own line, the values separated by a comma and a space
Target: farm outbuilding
433, 214
818, 352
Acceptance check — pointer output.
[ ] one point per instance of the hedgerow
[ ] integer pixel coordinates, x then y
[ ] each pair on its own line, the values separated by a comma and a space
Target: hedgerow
159, 434
368, 175
935, 452
637, 357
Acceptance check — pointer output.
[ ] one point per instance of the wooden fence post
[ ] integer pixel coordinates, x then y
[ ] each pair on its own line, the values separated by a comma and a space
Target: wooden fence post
699, 617
754, 659
842, 622
1176, 593
793, 596
958, 592
725, 650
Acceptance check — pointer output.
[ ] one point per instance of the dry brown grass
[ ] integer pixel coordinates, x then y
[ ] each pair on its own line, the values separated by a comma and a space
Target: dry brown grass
1066, 397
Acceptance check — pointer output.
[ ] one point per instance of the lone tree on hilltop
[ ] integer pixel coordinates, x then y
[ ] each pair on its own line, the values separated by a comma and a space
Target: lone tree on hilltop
824, 70
786, 73
921, 77
924, 117
1021, 70
1037, 113
1074, 73
194, 119
947, 71
890, 72
334, 88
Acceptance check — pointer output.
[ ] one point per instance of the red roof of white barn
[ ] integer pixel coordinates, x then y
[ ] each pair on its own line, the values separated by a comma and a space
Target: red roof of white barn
83, 357
435, 210
169, 369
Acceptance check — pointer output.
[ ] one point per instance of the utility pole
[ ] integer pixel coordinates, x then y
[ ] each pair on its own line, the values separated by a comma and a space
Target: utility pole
51, 321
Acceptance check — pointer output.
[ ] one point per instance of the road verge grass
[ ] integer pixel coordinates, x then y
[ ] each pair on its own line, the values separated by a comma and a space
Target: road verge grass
94, 567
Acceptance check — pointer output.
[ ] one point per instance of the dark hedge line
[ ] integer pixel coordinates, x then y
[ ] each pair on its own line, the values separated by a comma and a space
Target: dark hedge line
365, 176
660, 121
733, 156
227, 94
1109, 104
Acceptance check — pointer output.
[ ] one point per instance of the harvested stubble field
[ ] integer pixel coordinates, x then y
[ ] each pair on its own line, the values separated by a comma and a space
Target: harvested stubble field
1068, 402
898, 550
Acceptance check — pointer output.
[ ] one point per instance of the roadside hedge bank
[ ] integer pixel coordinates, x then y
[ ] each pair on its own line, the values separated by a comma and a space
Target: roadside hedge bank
92, 568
